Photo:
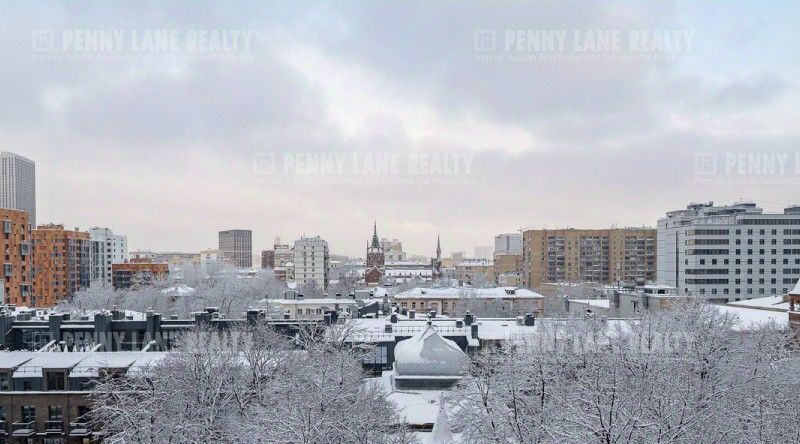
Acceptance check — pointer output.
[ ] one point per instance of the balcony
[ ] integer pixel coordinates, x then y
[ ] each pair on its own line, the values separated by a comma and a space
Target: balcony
80, 428
54, 427
23, 428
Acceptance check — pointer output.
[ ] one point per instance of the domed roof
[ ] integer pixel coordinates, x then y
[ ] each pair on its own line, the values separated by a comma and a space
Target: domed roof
428, 354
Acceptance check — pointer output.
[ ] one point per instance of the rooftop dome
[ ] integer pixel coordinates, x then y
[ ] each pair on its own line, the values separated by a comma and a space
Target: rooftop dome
427, 354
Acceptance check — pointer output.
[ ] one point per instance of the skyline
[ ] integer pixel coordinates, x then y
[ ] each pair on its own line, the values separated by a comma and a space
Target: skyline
164, 151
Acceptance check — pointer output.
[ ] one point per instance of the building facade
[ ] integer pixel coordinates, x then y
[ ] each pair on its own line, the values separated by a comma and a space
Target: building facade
729, 253
456, 301
311, 258
135, 274
611, 256
393, 250
237, 246
478, 272
18, 184
61, 263
508, 243
17, 260
107, 248
268, 259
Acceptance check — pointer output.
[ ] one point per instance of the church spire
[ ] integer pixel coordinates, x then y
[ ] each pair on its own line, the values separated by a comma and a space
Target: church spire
375, 242
438, 248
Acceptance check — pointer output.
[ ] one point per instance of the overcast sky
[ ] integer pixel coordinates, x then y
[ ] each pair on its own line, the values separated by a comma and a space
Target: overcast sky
163, 150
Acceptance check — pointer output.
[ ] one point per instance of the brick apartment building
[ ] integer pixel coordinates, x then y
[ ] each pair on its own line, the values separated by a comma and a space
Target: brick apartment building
61, 263
135, 273
610, 256
17, 269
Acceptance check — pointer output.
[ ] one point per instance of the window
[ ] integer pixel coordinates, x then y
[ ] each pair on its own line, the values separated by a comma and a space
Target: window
28, 413
55, 413
55, 381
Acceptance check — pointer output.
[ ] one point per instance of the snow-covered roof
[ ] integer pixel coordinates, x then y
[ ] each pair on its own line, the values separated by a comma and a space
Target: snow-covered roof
602, 303
13, 359
48, 360
428, 354
312, 301
753, 317
91, 365
796, 290
144, 360
775, 303
180, 290
466, 292
416, 407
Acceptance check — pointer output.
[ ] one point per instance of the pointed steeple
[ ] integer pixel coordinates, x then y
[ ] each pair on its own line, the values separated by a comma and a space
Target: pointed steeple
438, 248
375, 242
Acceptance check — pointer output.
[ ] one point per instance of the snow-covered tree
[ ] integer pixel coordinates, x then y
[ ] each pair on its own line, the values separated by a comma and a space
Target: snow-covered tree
672, 377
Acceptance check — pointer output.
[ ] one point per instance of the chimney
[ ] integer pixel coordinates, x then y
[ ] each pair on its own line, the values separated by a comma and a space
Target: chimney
459, 324
469, 318
252, 316
432, 314
393, 318
387, 328
530, 319
412, 314
474, 330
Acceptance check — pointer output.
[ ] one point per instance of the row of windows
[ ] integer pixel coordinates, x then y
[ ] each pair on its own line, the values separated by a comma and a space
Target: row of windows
707, 242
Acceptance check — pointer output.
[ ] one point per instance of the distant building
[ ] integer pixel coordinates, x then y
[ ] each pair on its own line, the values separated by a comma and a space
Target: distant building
729, 253
212, 257
107, 248
311, 261
61, 263
611, 256
283, 253
17, 266
375, 262
475, 272
135, 274
237, 245
18, 184
268, 259
451, 301
484, 252
507, 265
393, 250
509, 243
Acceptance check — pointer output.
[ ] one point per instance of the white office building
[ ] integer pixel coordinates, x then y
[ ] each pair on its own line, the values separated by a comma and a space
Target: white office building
729, 253
18, 184
311, 261
107, 248
509, 243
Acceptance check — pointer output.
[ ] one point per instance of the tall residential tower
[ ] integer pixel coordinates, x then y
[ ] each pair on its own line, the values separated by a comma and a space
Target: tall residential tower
18, 184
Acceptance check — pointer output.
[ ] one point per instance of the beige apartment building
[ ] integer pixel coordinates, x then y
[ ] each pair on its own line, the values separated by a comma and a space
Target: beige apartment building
610, 256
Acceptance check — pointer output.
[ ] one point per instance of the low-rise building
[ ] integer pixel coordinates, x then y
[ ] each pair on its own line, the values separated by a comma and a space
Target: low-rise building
133, 274
456, 301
